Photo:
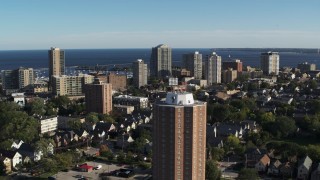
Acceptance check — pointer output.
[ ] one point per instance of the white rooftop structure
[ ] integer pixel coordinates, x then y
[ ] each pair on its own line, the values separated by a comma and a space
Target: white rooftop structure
179, 98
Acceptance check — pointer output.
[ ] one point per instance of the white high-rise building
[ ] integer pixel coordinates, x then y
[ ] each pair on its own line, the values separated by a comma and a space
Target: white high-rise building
193, 63
269, 63
140, 73
161, 61
213, 69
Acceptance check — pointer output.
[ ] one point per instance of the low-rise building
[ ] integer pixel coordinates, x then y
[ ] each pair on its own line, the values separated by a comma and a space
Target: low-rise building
137, 102
123, 109
304, 168
48, 124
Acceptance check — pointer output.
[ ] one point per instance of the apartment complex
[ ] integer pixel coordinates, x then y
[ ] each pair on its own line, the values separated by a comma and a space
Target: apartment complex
70, 85
213, 69
193, 63
161, 61
235, 65
17, 79
56, 62
269, 63
179, 132
140, 73
118, 81
229, 75
306, 67
48, 124
98, 97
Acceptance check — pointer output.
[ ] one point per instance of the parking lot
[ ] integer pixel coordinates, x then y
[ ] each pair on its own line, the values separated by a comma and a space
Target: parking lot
105, 168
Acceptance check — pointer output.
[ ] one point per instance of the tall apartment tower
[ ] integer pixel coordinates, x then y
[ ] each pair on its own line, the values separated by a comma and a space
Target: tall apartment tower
140, 73
269, 63
179, 132
26, 77
193, 63
56, 62
306, 67
235, 65
98, 97
161, 61
213, 69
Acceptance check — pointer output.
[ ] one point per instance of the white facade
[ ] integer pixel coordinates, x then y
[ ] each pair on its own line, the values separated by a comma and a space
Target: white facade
213, 69
269, 63
48, 124
193, 63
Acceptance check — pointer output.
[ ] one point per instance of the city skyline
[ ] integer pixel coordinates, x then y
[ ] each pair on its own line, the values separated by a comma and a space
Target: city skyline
142, 24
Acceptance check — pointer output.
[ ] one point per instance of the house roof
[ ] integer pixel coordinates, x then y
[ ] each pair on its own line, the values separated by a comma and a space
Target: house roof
265, 160
306, 161
85, 166
275, 163
8, 154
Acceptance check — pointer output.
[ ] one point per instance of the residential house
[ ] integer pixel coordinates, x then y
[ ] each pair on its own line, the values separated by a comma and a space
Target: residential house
82, 134
26, 150
304, 168
274, 168
225, 130
64, 138
315, 175
263, 163
6, 163
253, 155
16, 144
14, 156
212, 138
124, 140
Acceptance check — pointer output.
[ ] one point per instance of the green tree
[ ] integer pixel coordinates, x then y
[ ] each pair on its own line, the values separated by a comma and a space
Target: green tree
314, 152
248, 174
212, 171
217, 153
15, 124
285, 126
220, 112
42, 145
36, 107
92, 118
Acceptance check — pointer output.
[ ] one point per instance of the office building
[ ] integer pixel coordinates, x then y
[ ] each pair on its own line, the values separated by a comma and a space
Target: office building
229, 75
306, 67
193, 63
179, 138
213, 69
56, 62
161, 61
269, 63
140, 73
235, 65
98, 97
70, 85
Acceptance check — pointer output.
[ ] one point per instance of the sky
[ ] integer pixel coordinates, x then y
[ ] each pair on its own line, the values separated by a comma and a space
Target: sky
80, 24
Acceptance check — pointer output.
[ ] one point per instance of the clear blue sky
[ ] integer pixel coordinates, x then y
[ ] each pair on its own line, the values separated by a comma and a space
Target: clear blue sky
40, 24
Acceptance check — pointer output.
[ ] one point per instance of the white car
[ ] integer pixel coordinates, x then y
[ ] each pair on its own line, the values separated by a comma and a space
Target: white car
98, 167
